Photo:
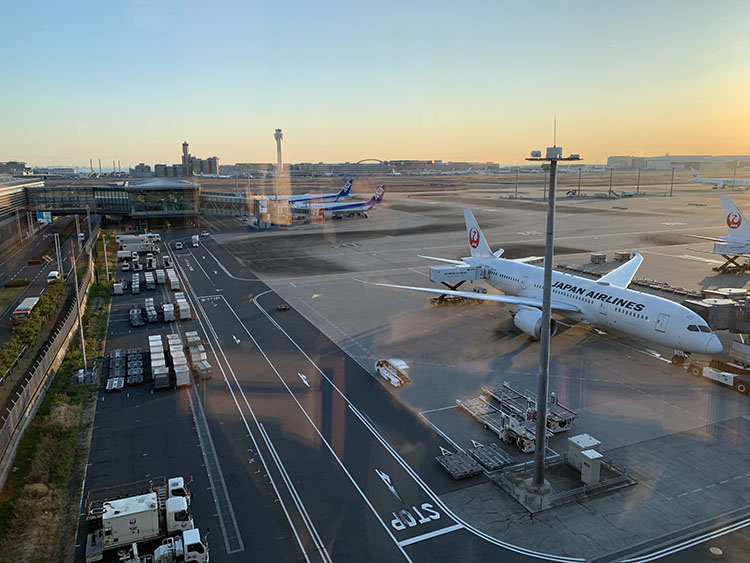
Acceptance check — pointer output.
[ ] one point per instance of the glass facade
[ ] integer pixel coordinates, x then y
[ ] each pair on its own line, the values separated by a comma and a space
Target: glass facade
146, 201
163, 201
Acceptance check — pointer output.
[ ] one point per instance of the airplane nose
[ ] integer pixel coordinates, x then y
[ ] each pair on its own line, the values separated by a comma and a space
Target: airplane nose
714, 345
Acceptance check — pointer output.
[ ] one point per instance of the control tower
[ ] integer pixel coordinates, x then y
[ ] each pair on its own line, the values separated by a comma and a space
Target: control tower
278, 135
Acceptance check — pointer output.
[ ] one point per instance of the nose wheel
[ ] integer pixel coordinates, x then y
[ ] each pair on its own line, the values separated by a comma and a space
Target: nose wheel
679, 358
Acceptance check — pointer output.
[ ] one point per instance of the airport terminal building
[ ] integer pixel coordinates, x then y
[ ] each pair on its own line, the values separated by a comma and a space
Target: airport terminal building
157, 198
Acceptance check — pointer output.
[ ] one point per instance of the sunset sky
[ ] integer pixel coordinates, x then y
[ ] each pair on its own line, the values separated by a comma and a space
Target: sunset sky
477, 81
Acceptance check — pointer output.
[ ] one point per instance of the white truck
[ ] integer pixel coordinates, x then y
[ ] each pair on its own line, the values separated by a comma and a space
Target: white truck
135, 512
195, 240
189, 547
394, 370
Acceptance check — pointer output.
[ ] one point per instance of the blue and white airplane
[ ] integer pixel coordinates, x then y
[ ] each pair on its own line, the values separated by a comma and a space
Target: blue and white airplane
343, 193
606, 302
346, 209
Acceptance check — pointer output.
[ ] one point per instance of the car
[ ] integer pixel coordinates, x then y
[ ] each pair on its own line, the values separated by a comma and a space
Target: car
282, 307
178, 246
205, 234
52, 276
126, 266
166, 261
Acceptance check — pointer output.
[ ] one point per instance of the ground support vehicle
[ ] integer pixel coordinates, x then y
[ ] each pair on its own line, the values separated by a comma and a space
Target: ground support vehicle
150, 280
497, 417
174, 282
160, 277
135, 317
195, 239
559, 417
135, 286
167, 310
394, 370
189, 547
134, 512
731, 375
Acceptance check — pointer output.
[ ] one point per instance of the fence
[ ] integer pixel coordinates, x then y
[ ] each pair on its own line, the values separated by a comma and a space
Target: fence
24, 405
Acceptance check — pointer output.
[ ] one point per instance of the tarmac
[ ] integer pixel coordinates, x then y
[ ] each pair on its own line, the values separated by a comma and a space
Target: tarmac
320, 458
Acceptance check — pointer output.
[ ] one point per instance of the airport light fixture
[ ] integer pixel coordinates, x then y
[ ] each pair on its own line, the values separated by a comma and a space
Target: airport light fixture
537, 484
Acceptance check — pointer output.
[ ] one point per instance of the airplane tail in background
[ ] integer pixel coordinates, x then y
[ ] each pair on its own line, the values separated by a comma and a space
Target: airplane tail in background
695, 174
377, 196
477, 242
344, 192
737, 224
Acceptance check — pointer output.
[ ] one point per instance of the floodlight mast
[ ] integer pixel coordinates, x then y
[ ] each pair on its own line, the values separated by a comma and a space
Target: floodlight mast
537, 484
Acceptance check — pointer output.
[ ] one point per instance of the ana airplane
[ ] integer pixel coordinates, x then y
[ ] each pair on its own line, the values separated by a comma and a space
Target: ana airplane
606, 302
718, 182
308, 197
348, 209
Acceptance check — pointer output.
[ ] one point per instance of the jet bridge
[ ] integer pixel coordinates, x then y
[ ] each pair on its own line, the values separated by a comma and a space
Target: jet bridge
453, 277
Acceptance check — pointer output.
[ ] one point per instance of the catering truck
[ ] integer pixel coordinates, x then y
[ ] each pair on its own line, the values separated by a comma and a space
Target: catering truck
135, 512
190, 547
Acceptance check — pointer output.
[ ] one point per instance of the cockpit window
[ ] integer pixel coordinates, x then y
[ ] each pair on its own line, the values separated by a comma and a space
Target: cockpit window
704, 328
692, 328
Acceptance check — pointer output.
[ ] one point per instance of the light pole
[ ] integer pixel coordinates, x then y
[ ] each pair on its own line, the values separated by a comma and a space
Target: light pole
537, 484
579, 181
78, 311
611, 170
516, 184
106, 264
638, 185
671, 183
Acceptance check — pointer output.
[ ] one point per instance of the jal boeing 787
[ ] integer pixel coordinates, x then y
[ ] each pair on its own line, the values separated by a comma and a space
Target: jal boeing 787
606, 302
718, 182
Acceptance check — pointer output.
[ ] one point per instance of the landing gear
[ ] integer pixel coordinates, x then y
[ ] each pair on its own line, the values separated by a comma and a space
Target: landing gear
680, 357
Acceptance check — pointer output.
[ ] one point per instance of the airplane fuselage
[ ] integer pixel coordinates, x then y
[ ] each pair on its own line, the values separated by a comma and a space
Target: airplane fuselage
634, 313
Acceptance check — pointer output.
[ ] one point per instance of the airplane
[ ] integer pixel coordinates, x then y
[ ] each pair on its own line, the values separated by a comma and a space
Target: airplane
344, 192
606, 302
718, 182
354, 208
221, 176
737, 241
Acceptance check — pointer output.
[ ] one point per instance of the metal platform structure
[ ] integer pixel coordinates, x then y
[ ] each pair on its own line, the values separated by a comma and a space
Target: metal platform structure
559, 418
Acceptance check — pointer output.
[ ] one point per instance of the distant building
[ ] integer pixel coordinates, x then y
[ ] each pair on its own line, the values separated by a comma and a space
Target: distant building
168, 170
678, 162
14, 168
141, 170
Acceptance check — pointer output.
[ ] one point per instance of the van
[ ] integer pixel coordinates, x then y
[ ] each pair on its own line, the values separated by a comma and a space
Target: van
52, 276
134, 256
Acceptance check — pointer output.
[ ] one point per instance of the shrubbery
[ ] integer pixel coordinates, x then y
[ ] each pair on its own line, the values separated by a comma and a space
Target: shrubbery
29, 331
17, 283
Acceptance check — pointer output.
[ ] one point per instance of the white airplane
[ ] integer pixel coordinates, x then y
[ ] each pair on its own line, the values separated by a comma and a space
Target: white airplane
606, 302
344, 192
737, 241
718, 182
350, 209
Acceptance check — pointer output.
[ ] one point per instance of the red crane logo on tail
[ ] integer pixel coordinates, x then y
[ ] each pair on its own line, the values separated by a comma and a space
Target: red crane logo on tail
734, 220
474, 238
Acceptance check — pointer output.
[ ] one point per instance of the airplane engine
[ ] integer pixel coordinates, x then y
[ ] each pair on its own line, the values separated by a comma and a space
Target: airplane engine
530, 322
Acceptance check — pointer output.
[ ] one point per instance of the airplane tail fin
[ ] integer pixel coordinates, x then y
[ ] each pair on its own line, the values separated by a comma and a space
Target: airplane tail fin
695, 174
477, 242
737, 224
377, 197
344, 192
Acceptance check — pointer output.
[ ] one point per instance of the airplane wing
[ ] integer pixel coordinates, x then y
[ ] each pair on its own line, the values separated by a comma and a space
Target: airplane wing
712, 239
446, 260
622, 276
507, 299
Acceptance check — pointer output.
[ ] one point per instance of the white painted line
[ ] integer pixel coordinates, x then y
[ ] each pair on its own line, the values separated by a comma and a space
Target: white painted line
439, 409
429, 535
443, 434
396, 456
290, 486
